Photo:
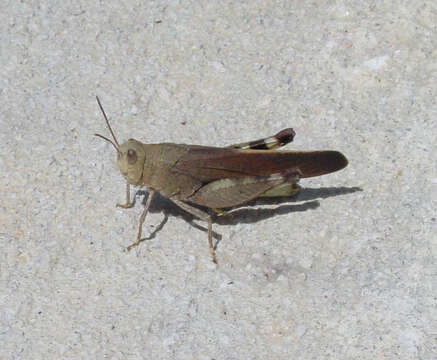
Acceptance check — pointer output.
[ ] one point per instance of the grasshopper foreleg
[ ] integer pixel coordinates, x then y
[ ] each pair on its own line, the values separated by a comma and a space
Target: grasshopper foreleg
128, 203
142, 218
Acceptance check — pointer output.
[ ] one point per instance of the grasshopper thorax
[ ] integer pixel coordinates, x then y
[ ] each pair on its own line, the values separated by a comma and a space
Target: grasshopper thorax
130, 160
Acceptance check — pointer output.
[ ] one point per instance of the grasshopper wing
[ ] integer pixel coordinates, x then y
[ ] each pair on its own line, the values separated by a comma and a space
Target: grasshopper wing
212, 163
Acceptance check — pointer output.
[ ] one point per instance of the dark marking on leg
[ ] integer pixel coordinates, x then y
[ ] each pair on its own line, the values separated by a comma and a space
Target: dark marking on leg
270, 143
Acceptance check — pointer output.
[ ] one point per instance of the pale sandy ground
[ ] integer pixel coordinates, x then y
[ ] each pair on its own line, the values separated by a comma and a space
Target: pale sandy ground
335, 273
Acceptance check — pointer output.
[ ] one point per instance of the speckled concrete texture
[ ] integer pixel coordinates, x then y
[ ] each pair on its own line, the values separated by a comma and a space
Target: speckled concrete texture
344, 270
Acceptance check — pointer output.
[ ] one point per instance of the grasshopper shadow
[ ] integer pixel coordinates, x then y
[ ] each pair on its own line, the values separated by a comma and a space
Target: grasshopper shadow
242, 214
307, 199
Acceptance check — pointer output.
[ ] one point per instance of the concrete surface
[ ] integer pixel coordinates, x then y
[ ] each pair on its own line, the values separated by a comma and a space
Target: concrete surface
345, 270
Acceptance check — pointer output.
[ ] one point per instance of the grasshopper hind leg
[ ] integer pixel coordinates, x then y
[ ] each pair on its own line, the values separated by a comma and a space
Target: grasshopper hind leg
229, 192
269, 143
287, 189
221, 212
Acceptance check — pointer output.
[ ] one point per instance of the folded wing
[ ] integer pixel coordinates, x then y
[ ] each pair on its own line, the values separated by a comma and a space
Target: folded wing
211, 163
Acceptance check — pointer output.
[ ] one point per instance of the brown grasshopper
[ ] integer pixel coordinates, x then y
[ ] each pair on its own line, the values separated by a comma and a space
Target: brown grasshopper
215, 177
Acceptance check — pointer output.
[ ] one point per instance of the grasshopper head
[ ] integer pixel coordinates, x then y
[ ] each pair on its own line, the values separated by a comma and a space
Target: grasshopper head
130, 160
130, 155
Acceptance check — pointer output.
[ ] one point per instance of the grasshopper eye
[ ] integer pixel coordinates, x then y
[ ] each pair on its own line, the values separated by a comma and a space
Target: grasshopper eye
131, 156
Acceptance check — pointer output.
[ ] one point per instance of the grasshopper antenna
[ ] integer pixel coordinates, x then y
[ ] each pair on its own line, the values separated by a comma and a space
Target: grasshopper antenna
115, 142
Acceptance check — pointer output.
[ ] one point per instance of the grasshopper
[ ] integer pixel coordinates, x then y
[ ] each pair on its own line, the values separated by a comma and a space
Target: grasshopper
217, 177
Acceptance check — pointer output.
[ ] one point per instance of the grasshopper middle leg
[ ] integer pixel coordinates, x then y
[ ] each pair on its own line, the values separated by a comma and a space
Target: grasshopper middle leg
202, 216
